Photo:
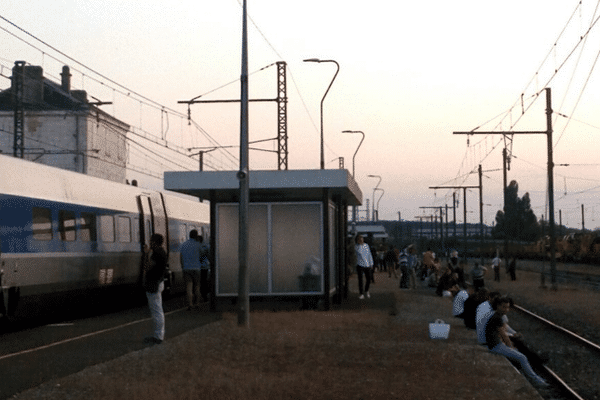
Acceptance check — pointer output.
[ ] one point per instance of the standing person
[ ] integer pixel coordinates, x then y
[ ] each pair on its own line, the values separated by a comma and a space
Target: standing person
391, 261
428, 259
204, 268
512, 269
496, 267
412, 266
477, 274
498, 341
364, 266
190, 263
155, 266
403, 262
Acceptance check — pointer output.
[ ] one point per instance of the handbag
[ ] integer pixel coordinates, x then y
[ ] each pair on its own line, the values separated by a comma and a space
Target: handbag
439, 329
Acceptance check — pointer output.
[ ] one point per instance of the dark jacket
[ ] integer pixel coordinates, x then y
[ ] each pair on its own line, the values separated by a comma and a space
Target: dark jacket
156, 266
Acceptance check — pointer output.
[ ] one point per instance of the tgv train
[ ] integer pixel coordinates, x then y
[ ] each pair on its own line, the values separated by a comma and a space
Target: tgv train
62, 233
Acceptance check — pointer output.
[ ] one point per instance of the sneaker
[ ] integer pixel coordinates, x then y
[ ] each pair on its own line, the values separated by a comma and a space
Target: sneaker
152, 341
368, 295
540, 382
361, 297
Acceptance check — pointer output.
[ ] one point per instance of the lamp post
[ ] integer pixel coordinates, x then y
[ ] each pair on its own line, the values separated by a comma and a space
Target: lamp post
353, 168
378, 200
374, 176
322, 100
354, 156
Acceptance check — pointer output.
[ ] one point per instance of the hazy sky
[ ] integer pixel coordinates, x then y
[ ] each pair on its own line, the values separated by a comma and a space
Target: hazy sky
411, 73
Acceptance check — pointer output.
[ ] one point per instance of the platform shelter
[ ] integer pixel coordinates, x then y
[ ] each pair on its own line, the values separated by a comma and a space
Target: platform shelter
297, 223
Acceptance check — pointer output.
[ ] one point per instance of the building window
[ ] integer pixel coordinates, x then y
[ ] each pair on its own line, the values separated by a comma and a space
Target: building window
87, 227
107, 228
124, 229
42, 223
66, 225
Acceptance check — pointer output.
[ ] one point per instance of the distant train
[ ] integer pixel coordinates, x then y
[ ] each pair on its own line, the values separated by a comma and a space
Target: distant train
62, 233
581, 247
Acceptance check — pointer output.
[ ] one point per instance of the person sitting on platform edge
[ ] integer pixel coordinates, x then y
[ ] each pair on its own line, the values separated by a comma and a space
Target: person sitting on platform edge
483, 314
155, 266
458, 304
470, 307
447, 284
498, 341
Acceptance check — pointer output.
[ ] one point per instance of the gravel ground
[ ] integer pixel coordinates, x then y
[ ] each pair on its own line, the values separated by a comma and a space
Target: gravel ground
572, 307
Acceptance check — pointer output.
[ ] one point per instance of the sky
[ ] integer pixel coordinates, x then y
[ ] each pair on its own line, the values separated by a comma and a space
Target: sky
411, 74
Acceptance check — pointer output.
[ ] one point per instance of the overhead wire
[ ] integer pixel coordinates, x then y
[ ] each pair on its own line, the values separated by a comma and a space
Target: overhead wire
126, 92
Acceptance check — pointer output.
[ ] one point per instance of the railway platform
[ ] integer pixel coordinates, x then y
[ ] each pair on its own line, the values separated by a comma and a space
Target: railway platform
396, 358
462, 369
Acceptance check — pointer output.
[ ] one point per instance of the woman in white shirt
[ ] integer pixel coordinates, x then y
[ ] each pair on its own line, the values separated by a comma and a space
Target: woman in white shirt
364, 266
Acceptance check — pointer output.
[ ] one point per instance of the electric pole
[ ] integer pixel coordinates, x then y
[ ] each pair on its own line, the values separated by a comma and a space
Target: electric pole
548, 133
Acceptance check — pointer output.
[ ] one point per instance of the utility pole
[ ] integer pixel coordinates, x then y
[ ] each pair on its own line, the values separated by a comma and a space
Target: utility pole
18, 79
244, 178
481, 212
548, 133
582, 219
441, 222
505, 168
281, 100
464, 208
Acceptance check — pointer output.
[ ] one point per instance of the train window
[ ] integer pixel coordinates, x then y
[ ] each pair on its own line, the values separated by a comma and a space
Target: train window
124, 224
42, 223
107, 228
136, 230
66, 225
87, 227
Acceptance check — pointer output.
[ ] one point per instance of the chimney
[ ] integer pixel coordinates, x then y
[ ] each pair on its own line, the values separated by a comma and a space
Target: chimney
65, 81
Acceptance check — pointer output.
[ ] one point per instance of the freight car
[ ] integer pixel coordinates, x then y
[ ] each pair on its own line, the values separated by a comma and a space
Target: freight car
63, 232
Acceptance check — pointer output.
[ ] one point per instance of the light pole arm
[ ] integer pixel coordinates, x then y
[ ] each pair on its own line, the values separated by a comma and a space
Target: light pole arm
322, 101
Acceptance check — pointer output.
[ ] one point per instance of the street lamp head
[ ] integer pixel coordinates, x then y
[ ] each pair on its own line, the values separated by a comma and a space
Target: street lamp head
312, 60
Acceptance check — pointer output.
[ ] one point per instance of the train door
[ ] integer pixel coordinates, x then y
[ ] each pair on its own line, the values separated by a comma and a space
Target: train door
153, 219
3, 292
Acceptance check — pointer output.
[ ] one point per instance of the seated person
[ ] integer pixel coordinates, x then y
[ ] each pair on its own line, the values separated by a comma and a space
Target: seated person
446, 284
498, 341
471, 304
482, 315
458, 305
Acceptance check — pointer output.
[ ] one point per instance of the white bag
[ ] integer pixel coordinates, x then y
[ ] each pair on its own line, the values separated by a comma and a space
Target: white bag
439, 329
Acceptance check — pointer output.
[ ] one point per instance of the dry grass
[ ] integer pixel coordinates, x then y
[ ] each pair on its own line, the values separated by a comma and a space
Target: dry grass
369, 350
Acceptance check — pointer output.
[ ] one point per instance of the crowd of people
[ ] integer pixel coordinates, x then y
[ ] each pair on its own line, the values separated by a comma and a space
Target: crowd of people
486, 313
481, 310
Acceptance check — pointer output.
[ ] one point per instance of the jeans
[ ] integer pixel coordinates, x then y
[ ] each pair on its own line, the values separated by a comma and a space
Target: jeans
514, 355
367, 272
156, 311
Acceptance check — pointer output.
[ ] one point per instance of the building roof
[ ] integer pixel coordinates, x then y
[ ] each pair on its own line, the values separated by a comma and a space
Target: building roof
290, 185
378, 231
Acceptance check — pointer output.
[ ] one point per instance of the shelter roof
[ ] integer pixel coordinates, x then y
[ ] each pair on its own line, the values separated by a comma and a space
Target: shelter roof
290, 185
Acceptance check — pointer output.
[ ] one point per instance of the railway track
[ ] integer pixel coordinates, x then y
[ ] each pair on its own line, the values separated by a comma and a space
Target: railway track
574, 362
590, 279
